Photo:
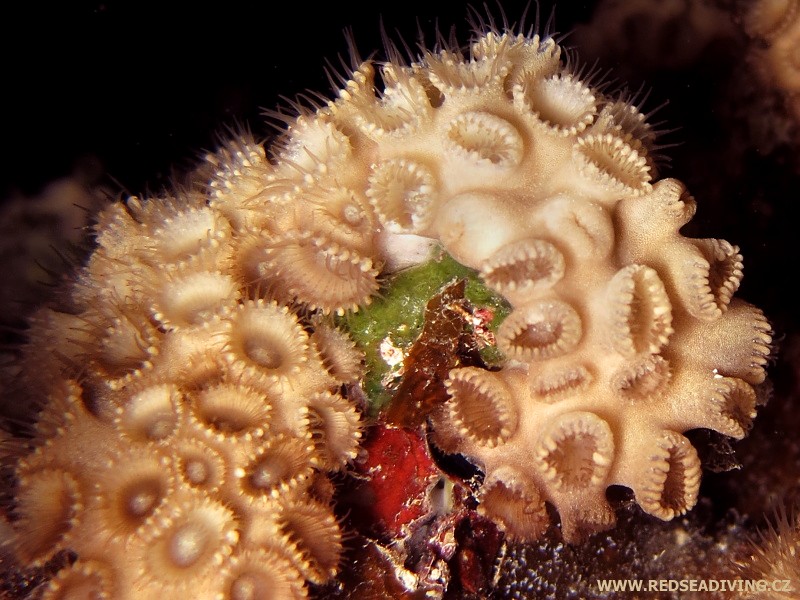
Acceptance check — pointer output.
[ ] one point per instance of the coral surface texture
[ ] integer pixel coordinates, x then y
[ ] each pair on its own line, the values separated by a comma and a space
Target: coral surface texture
196, 385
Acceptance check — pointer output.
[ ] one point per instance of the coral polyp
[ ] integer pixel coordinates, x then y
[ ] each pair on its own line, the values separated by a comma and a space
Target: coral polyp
211, 373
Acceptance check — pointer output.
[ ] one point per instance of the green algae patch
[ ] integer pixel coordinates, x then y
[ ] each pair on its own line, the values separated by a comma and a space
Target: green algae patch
386, 329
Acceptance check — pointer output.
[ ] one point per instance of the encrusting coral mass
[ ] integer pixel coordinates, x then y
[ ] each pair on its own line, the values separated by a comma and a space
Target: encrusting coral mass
194, 384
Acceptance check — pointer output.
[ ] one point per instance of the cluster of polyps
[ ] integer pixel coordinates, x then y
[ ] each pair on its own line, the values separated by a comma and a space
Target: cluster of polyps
187, 422
192, 385
623, 333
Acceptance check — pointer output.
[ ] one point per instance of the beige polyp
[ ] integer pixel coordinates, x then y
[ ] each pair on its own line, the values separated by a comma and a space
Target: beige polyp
188, 234
639, 311
668, 477
481, 407
403, 106
233, 410
191, 356
315, 539
561, 102
737, 344
585, 516
276, 468
200, 463
319, 273
233, 446
269, 210
670, 206
445, 434
262, 574
522, 268
127, 345
49, 503
340, 214
400, 109
452, 74
474, 225
45, 360
116, 232
130, 490
550, 384
265, 343
645, 379
697, 398
239, 172
772, 555
540, 331
150, 414
160, 210
218, 467
649, 222
311, 148
335, 428
702, 274
447, 158
725, 269
259, 527
485, 139
187, 298
188, 545
533, 58
613, 163
711, 276
59, 442
584, 228
625, 121
63, 407
338, 353
574, 452
402, 193
513, 501
249, 256
90, 579
734, 407
106, 284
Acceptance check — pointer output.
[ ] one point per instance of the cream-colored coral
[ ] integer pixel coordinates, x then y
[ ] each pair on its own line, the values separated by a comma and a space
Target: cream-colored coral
202, 392
624, 333
176, 413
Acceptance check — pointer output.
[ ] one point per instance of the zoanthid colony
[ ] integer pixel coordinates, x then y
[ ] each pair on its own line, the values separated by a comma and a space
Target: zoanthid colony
192, 387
